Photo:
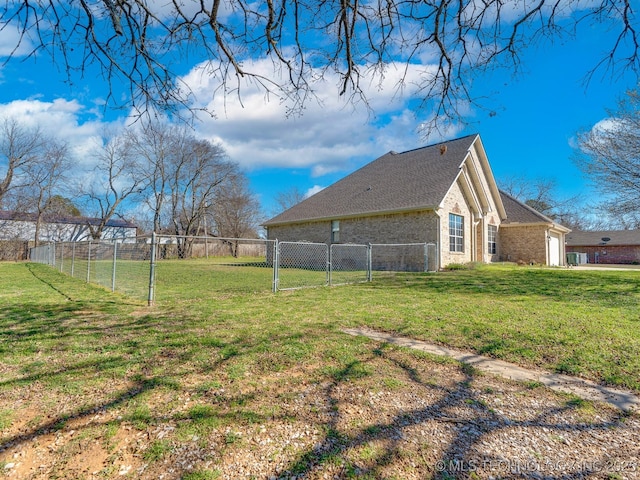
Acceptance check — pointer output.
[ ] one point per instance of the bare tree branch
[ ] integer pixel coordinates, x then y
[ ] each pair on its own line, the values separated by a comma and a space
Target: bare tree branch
609, 156
136, 43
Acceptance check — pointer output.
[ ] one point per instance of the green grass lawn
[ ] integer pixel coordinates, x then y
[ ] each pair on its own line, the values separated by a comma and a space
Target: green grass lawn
584, 323
69, 350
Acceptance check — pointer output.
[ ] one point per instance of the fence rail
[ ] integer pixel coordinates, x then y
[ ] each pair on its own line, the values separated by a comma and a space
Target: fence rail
154, 267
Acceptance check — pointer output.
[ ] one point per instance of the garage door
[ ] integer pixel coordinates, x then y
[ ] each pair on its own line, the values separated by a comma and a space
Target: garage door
554, 250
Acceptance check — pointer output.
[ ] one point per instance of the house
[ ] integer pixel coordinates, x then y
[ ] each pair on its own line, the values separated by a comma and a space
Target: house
22, 227
444, 194
610, 246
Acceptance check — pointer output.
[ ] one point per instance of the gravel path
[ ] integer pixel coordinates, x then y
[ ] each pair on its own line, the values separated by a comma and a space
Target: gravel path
564, 383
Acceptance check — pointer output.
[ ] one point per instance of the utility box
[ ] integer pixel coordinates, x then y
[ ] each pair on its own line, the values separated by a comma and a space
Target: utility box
577, 258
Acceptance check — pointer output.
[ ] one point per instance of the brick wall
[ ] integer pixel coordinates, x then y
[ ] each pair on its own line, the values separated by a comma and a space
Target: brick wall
623, 254
318, 232
393, 228
526, 243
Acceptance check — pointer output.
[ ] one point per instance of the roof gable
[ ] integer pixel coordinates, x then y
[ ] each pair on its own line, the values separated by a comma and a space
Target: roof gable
412, 180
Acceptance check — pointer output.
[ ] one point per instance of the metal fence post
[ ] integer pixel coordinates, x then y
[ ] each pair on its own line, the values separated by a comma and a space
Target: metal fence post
329, 264
369, 264
276, 265
152, 271
89, 262
113, 270
426, 258
73, 257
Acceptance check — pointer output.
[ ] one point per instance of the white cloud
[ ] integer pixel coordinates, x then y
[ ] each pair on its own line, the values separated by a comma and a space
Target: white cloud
606, 125
330, 136
600, 131
12, 44
313, 190
60, 119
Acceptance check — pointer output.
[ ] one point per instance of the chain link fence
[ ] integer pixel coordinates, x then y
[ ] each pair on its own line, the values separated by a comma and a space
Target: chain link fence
349, 263
403, 257
180, 268
118, 266
301, 264
182, 265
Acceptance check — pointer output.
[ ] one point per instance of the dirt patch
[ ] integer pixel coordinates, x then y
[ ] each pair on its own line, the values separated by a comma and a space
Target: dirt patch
392, 415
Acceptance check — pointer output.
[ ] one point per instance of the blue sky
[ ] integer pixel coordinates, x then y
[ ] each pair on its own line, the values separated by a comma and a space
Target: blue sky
536, 116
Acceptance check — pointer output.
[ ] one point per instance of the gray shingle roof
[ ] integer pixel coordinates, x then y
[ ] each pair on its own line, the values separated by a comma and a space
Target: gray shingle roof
396, 181
616, 237
31, 217
518, 212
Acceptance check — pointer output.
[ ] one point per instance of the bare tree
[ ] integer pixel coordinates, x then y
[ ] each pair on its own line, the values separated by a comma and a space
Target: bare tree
235, 211
195, 171
117, 179
155, 145
20, 147
43, 178
288, 198
136, 42
609, 156
541, 195
183, 174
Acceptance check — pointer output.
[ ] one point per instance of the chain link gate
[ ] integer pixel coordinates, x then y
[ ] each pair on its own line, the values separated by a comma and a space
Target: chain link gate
349, 263
301, 264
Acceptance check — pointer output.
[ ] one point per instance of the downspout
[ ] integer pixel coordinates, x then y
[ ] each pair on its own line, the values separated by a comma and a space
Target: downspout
474, 238
483, 237
438, 242
562, 244
547, 233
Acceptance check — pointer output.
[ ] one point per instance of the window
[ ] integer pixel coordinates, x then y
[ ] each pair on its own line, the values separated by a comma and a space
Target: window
335, 231
456, 233
492, 235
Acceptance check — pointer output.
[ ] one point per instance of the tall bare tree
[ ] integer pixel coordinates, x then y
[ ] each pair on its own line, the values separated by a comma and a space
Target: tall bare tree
117, 179
137, 42
20, 148
43, 178
155, 145
609, 155
235, 211
197, 171
288, 198
183, 175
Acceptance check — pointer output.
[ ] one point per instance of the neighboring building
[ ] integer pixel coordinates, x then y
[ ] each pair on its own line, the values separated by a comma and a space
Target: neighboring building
444, 194
22, 227
610, 246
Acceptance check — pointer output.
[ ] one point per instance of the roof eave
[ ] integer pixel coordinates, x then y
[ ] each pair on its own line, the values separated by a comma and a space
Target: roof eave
553, 225
425, 208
